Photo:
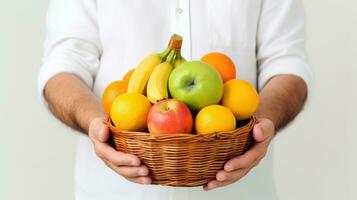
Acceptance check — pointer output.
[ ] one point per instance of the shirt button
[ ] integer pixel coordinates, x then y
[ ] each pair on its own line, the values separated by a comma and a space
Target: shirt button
179, 11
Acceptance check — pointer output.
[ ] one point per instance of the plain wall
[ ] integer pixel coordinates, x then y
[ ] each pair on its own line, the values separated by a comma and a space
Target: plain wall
314, 158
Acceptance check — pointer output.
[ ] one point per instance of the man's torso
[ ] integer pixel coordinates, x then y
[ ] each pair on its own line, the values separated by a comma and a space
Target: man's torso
130, 30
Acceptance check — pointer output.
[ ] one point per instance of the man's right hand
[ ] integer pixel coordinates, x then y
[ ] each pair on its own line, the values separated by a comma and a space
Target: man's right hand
126, 165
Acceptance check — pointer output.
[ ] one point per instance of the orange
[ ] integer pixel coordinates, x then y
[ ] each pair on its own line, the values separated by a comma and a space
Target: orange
128, 74
214, 118
241, 98
129, 111
223, 64
111, 92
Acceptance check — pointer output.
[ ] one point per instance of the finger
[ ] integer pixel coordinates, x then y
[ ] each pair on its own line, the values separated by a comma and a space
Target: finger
132, 172
141, 180
261, 134
117, 158
247, 159
103, 134
258, 133
263, 130
231, 176
136, 179
98, 131
215, 184
257, 162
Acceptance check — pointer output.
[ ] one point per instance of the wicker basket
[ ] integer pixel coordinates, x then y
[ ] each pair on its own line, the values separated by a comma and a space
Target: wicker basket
184, 159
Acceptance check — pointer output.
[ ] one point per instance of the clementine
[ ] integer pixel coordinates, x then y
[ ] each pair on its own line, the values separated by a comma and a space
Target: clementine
241, 98
214, 118
128, 74
129, 111
223, 64
111, 92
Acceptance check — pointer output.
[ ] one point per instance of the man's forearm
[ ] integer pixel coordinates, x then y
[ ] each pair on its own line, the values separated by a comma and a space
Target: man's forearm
281, 99
71, 101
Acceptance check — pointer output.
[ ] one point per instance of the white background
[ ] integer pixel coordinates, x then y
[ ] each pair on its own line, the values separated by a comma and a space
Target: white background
315, 158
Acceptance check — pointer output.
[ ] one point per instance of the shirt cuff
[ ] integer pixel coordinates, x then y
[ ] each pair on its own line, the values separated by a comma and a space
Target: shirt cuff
50, 69
288, 67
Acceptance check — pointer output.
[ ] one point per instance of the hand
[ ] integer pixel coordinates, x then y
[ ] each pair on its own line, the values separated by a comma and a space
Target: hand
239, 166
126, 165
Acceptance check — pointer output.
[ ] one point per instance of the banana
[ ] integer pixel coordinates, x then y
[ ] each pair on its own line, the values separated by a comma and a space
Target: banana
178, 59
151, 75
179, 62
142, 73
157, 85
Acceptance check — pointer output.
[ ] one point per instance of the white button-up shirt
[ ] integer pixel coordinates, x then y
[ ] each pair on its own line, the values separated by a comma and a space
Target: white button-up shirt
100, 40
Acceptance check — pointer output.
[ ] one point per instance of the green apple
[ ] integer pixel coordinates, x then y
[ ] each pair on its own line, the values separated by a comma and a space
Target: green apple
197, 84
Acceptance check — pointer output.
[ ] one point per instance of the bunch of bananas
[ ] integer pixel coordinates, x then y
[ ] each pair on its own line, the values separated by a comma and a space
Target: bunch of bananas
151, 75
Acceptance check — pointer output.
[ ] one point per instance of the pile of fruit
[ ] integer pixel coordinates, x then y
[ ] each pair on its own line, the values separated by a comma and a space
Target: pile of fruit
165, 94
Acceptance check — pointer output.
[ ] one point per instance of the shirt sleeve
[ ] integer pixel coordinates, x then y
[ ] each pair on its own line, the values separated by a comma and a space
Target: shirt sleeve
71, 44
281, 41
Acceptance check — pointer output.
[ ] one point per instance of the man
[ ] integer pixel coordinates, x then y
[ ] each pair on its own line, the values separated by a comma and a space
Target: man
90, 43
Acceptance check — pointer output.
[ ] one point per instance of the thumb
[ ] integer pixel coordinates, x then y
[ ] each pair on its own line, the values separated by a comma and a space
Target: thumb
98, 130
258, 133
103, 133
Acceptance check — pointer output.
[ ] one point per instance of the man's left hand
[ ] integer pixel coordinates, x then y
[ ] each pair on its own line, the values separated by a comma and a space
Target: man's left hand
239, 166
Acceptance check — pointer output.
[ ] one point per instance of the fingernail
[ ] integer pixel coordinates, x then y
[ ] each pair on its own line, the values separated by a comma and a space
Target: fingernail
101, 134
134, 163
259, 133
221, 178
143, 172
210, 186
228, 168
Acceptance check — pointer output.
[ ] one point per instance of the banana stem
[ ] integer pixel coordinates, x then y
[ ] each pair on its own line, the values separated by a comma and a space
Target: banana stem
171, 57
178, 55
175, 42
164, 54
177, 37
174, 47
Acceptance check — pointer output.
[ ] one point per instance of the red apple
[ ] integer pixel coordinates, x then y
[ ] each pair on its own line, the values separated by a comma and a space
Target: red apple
169, 117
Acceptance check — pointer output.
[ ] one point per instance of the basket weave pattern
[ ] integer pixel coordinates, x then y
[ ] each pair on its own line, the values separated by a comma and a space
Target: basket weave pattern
184, 159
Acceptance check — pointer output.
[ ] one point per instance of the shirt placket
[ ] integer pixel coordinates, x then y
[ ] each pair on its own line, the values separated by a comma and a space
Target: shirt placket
183, 26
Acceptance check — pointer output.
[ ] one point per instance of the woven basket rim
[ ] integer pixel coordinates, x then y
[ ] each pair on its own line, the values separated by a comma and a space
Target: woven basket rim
183, 136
